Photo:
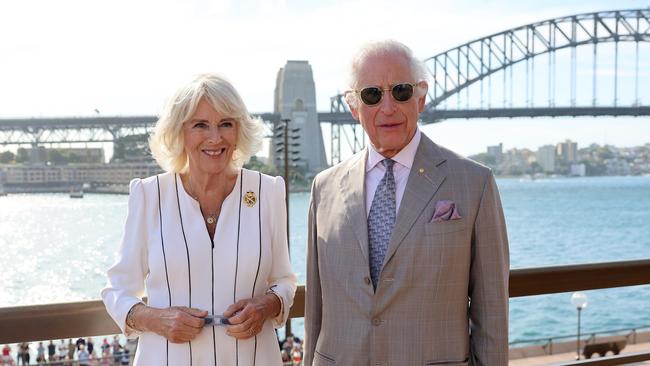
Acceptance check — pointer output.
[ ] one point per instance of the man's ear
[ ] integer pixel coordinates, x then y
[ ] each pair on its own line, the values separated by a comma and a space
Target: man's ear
354, 112
350, 98
423, 87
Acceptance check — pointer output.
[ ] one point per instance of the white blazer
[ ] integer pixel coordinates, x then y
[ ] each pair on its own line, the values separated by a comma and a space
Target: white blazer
166, 254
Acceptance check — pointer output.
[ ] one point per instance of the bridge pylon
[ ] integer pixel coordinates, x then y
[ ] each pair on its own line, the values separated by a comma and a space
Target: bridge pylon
295, 100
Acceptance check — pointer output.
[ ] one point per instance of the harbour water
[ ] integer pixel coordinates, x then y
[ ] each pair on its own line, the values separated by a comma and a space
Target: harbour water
54, 249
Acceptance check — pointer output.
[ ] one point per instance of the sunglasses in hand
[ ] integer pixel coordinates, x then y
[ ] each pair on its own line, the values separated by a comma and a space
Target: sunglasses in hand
215, 320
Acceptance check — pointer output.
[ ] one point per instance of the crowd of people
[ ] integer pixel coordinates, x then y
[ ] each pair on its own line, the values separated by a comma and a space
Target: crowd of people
83, 352
291, 351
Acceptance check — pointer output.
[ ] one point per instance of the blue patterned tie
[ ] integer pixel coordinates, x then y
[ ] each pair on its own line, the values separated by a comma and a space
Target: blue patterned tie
381, 220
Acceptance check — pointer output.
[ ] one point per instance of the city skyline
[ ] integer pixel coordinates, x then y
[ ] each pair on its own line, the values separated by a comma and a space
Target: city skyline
107, 152
452, 134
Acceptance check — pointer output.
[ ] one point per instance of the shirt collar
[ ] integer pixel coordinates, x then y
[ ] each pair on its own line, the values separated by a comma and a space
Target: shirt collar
404, 157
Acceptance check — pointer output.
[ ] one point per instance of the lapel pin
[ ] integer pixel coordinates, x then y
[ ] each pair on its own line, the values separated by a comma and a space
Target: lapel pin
421, 171
250, 199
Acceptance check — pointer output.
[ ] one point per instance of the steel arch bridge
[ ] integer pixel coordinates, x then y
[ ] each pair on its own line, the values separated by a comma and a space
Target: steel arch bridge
458, 68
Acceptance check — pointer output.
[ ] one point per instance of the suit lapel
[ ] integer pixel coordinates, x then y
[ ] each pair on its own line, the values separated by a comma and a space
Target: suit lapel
354, 199
427, 174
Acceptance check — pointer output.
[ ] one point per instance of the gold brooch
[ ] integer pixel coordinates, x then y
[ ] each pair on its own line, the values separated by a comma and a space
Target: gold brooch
250, 199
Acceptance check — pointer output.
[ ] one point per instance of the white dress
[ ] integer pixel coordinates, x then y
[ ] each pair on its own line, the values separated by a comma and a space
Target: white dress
166, 255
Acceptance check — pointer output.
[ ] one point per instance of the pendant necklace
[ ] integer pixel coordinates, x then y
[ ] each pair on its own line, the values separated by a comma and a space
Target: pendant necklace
212, 217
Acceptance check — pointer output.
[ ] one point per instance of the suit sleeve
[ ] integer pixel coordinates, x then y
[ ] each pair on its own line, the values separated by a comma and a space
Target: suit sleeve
126, 277
281, 279
488, 288
313, 299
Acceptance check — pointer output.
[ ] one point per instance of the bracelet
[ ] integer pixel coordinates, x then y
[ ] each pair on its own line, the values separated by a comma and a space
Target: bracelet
272, 292
130, 321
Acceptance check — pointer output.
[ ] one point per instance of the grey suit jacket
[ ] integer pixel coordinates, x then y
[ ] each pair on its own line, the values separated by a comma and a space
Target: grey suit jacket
442, 296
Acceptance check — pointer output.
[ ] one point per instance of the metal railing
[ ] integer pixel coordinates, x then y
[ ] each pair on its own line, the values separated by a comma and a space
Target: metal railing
89, 318
612, 360
103, 360
547, 342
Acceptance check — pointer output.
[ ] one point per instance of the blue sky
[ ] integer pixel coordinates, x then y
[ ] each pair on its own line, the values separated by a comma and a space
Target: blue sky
70, 57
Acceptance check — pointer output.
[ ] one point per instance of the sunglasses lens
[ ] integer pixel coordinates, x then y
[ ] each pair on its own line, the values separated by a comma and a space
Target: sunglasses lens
402, 92
370, 95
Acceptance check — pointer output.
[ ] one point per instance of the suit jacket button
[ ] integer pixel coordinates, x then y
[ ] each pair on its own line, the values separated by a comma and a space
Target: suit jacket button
376, 321
367, 280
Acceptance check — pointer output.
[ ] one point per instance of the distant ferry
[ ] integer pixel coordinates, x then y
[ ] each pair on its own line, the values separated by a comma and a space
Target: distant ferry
76, 193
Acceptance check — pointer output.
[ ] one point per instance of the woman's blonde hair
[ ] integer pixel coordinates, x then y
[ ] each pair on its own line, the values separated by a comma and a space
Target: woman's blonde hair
166, 143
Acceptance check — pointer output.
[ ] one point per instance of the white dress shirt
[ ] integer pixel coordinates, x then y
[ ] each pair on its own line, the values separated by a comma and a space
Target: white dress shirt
401, 170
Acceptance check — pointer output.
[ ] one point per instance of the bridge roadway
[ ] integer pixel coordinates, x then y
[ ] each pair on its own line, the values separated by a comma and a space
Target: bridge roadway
109, 123
343, 118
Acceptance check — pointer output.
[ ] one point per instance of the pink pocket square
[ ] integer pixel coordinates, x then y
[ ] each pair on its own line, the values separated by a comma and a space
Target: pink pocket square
445, 211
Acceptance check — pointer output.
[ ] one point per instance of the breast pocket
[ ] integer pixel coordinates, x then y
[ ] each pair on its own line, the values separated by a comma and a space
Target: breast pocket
443, 227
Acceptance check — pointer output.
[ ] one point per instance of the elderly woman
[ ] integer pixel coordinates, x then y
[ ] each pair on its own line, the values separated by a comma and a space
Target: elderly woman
207, 238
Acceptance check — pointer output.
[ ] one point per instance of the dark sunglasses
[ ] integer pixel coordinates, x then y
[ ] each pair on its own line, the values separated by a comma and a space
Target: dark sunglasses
372, 95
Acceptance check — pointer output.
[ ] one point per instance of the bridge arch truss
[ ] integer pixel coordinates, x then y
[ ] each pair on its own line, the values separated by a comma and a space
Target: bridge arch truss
460, 67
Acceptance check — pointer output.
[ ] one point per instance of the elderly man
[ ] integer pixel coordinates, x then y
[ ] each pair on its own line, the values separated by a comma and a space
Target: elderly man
407, 260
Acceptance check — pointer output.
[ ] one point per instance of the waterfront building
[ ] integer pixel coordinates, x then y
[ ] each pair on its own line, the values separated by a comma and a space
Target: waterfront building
516, 161
546, 158
567, 151
496, 151
578, 170
57, 177
617, 166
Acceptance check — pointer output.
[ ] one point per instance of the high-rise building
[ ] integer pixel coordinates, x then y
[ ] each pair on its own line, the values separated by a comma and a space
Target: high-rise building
546, 158
567, 151
496, 151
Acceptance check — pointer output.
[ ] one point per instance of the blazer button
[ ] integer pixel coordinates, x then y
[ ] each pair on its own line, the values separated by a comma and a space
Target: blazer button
376, 321
367, 280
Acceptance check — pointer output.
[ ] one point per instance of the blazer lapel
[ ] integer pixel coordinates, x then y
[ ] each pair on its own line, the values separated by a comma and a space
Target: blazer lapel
354, 200
427, 174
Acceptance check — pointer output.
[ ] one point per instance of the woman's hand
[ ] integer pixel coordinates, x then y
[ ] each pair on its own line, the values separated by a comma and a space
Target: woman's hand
179, 324
247, 316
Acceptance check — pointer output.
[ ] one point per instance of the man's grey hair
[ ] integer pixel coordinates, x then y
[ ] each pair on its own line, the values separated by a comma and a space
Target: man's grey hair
385, 47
